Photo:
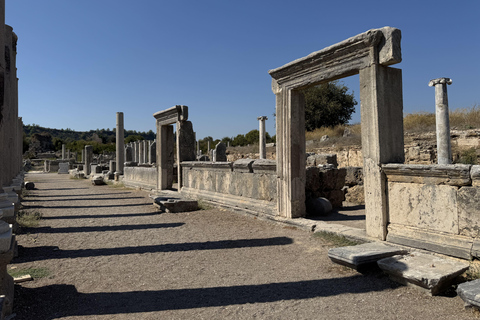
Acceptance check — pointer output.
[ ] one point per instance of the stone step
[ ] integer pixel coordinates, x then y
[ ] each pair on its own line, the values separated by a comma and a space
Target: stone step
470, 293
364, 256
432, 273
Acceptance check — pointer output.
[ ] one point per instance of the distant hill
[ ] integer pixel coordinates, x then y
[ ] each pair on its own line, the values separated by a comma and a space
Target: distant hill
39, 139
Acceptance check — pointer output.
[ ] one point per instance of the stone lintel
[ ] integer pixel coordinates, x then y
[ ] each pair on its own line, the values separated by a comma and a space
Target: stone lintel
343, 59
434, 82
243, 165
171, 115
446, 174
264, 166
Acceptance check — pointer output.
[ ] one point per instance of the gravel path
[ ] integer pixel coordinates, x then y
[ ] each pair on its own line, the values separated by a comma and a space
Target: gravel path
112, 256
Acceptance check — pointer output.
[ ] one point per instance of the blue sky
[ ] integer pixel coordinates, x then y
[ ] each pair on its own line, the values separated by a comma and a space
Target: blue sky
80, 62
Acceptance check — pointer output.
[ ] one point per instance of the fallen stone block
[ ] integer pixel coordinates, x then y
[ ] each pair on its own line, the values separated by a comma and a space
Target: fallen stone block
363, 256
174, 205
470, 293
426, 271
97, 180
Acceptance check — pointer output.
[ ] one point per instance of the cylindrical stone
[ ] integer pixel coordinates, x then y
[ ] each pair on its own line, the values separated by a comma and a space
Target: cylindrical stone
444, 147
262, 137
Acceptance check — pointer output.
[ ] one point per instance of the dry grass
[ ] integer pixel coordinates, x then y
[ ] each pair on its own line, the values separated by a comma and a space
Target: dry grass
332, 132
464, 118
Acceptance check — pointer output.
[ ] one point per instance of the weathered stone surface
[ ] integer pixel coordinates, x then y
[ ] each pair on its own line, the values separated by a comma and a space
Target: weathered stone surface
358, 256
355, 194
426, 271
221, 152
468, 201
354, 176
243, 165
475, 175
470, 292
63, 167
264, 166
448, 174
432, 207
440, 242
175, 204
140, 177
97, 180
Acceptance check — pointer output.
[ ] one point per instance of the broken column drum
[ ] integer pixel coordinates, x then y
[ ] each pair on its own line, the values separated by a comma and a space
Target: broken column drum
444, 146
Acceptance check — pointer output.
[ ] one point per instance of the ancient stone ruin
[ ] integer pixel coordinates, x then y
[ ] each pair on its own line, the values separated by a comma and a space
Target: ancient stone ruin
11, 168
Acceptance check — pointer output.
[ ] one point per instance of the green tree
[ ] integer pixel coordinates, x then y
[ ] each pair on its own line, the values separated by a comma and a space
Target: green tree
239, 140
252, 136
328, 105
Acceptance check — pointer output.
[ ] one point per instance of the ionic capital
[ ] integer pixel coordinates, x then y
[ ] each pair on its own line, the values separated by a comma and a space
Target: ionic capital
434, 82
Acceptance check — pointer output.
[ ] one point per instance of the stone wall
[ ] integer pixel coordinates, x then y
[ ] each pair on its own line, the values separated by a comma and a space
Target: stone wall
140, 177
246, 184
435, 207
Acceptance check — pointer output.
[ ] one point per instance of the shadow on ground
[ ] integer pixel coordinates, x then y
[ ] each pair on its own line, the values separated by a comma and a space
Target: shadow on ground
27, 254
56, 301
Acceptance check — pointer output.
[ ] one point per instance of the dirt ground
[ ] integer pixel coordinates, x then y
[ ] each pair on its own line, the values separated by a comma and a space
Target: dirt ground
111, 255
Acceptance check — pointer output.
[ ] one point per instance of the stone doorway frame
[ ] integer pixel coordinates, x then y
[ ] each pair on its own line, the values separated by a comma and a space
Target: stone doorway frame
165, 144
368, 54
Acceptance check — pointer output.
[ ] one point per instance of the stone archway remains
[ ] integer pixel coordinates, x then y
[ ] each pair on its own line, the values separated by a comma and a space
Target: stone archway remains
165, 144
368, 54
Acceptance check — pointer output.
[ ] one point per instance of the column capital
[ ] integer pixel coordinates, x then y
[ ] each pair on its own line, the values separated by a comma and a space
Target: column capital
262, 118
434, 82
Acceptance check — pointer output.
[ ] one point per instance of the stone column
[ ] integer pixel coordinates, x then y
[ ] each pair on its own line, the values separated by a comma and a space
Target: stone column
444, 147
263, 140
153, 152
165, 139
120, 144
381, 108
63, 151
290, 130
88, 159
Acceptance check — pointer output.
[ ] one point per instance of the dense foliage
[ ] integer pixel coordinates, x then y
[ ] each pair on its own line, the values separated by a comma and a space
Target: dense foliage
328, 105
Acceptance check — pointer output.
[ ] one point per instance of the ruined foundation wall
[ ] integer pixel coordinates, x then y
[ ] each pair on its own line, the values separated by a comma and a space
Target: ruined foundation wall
435, 207
140, 177
247, 184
